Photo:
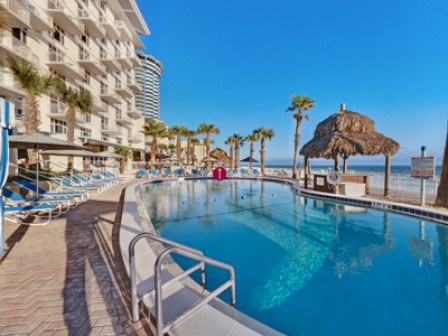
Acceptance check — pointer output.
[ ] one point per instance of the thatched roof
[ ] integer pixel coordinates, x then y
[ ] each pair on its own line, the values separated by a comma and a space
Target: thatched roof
348, 133
220, 155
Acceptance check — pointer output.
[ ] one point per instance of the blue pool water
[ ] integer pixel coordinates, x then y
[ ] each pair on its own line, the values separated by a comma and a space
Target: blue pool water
308, 267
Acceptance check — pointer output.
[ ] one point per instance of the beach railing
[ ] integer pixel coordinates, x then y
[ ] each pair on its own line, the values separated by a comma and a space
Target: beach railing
405, 183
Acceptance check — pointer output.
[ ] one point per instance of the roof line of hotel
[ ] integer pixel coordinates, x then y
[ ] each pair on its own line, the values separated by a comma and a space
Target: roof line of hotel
135, 16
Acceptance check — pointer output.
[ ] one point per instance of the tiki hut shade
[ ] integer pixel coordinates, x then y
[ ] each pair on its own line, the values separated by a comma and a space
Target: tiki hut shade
348, 133
220, 155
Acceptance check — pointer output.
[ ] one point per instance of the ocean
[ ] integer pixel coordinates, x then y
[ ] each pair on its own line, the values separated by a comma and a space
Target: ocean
394, 169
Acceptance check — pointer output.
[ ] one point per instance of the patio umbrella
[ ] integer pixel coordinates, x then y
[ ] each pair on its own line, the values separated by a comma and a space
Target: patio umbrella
40, 141
68, 152
110, 155
210, 160
249, 159
162, 156
4, 159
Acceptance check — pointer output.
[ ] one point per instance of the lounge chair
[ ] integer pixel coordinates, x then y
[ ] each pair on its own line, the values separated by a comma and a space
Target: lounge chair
50, 194
243, 172
15, 199
235, 172
80, 180
67, 184
194, 172
167, 172
17, 211
179, 172
98, 180
154, 173
256, 173
142, 173
111, 175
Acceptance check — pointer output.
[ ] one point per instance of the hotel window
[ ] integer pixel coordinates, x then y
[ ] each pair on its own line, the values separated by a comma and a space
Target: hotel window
59, 34
86, 117
86, 132
117, 113
85, 39
86, 77
58, 126
19, 34
119, 140
104, 122
104, 137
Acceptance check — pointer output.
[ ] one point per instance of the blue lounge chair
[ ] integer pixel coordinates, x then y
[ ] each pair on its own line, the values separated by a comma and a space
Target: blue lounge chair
99, 181
179, 172
111, 175
204, 172
67, 184
17, 211
235, 172
77, 179
256, 172
15, 199
154, 173
194, 172
167, 172
44, 193
243, 172
142, 173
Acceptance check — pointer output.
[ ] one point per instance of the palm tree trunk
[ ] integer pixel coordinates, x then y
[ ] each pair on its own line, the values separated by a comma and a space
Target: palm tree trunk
237, 156
71, 115
442, 191
30, 121
232, 159
251, 154
387, 177
296, 148
263, 141
153, 149
179, 149
188, 151
207, 149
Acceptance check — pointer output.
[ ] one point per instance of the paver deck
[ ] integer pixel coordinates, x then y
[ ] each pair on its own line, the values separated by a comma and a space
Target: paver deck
67, 278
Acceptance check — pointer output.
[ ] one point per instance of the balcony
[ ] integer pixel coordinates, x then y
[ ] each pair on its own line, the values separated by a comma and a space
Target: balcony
9, 88
19, 16
91, 64
125, 34
111, 28
123, 91
132, 56
64, 18
60, 63
134, 138
90, 22
109, 62
39, 20
109, 96
108, 129
57, 111
122, 120
134, 113
123, 60
97, 105
10, 45
134, 86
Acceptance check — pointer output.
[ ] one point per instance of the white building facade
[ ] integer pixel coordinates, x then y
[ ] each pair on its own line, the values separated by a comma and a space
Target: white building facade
89, 44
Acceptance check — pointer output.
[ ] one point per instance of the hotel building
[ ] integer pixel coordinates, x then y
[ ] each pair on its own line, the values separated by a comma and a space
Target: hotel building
90, 44
148, 76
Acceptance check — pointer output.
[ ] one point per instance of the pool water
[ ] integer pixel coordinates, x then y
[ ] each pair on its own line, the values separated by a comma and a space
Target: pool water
308, 267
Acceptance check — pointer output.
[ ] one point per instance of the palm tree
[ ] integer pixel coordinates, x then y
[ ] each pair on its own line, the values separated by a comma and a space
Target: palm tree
155, 130
238, 141
265, 134
229, 142
34, 84
208, 129
442, 192
171, 148
252, 138
300, 105
126, 152
162, 147
178, 132
74, 100
189, 134
193, 142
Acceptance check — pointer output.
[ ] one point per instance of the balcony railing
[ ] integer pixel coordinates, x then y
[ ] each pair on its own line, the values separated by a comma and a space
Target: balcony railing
38, 18
9, 87
59, 62
64, 18
19, 16
17, 48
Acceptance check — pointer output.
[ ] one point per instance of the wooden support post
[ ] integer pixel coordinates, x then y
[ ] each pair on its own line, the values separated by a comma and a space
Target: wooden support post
387, 176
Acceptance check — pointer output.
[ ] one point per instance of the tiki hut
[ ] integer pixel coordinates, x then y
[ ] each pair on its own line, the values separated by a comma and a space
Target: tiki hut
220, 155
347, 133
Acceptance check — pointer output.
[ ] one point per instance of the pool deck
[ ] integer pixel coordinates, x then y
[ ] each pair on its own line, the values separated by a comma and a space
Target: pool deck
67, 278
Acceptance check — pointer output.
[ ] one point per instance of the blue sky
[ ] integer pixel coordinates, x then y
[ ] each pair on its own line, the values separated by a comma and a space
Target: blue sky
236, 64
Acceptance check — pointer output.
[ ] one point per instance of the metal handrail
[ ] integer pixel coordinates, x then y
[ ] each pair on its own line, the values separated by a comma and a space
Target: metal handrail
185, 251
133, 272
161, 329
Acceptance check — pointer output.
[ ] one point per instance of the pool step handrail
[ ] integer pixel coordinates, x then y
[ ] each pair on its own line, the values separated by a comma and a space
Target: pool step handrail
188, 252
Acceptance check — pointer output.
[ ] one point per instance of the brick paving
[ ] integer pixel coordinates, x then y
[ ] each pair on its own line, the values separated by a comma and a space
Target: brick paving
67, 278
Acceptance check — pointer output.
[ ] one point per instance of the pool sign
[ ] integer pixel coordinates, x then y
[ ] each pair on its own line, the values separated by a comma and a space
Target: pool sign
219, 173
423, 167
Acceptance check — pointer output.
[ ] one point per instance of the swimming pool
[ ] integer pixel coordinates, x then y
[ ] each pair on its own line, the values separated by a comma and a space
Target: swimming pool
309, 267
